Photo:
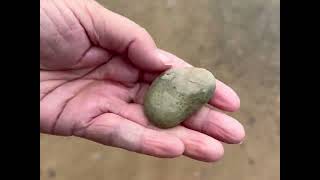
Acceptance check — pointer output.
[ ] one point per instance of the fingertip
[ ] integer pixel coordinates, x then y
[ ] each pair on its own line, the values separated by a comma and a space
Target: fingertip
214, 151
143, 53
217, 154
173, 60
241, 134
224, 128
163, 58
236, 133
235, 104
225, 98
148, 60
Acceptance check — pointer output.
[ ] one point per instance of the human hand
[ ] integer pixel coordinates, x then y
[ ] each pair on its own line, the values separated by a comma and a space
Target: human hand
95, 67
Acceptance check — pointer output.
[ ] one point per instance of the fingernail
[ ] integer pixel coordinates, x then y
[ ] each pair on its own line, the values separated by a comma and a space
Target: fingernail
164, 58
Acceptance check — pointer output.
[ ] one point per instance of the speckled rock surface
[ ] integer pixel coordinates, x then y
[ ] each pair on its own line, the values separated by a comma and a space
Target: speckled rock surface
177, 94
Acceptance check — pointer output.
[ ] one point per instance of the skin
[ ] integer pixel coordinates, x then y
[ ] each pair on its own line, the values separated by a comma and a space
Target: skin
95, 67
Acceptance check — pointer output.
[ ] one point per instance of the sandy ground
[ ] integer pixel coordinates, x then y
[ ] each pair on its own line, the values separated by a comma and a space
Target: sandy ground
239, 41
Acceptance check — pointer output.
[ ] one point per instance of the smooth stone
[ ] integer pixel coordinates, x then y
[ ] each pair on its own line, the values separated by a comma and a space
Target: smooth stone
176, 94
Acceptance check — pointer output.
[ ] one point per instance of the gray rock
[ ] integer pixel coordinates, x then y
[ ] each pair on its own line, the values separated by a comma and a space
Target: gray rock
177, 94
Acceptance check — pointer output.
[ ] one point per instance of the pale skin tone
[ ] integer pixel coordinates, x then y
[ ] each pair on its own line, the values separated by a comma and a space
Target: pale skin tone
95, 67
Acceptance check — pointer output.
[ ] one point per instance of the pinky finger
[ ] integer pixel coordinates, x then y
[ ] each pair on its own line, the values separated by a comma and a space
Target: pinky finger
113, 130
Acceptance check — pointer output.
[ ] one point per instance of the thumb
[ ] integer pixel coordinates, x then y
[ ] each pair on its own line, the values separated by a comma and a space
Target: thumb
143, 53
118, 34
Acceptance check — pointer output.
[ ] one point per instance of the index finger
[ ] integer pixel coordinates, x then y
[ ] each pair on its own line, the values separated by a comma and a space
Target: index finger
225, 98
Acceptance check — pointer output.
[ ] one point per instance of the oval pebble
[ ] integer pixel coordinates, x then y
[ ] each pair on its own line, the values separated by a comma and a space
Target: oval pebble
176, 94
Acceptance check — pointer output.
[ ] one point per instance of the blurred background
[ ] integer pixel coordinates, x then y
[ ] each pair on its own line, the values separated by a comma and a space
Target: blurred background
239, 41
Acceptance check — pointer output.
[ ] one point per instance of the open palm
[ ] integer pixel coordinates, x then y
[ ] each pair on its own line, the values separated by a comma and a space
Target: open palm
95, 67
